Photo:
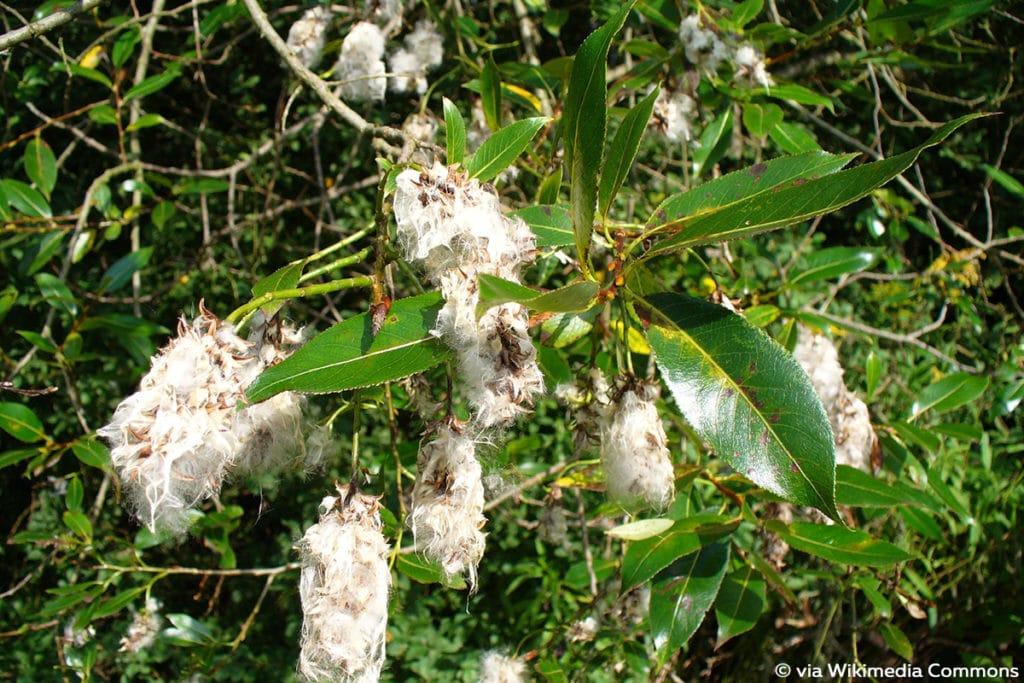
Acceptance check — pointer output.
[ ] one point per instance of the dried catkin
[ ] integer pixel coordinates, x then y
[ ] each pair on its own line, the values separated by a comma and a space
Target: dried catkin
344, 591
448, 504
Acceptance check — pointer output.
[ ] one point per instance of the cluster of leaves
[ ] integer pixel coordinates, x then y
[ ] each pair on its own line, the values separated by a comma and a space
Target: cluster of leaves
153, 160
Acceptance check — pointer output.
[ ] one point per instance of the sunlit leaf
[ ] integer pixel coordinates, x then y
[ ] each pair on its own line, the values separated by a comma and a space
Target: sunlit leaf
21, 422
455, 133
623, 149
552, 224
950, 392
680, 602
838, 544
645, 558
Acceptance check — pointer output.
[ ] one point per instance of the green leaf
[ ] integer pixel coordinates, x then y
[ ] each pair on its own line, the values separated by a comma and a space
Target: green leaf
285, 277
1007, 181
869, 587
780, 204
20, 422
503, 148
162, 213
104, 114
348, 356
422, 570
79, 523
623, 149
837, 544
490, 93
26, 199
950, 392
740, 603
746, 11
187, 630
897, 640
74, 494
204, 186
563, 329
91, 74
584, 124
152, 84
41, 165
872, 373
747, 397
763, 315
91, 452
124, 46
857, 488
8, 458
760, 119
793, 138
575, 297
118, 602
37, 340
713, 142
802, 95
455, 133
121, 271
647, 557
146, 121
679, 603
835, 261
641, 529
56, 293
548, 191
552, 224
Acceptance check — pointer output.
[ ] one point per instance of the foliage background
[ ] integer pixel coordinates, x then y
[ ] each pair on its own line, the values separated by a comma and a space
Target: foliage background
197, 188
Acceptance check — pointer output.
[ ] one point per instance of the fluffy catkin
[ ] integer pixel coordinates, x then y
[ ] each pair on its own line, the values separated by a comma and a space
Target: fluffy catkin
496, 667
360, 66
306, 36
634, 451
448, 504
344, 591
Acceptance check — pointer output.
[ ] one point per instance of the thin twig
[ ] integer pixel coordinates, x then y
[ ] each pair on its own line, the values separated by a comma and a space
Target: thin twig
48, 23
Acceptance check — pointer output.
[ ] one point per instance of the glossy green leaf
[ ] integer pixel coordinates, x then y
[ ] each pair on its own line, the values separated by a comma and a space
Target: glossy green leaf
857, 488
746, 396
897, 640
731, 190
623, 150
563, 329
950, 392
780, 204
793, 138
762, 316
644, 559
21, 422
349, 356
641, 529
56, 293
74, 494
548, 192
798, 93
121, 271
8, 295
578, 296
584, 124
204, 186
285, 277
872, 373
41, 166
837, 544
26, 199
91, 452
834, 262
740, 603
104, 114
869, 585
118, 602
162, 212
145, 121
78, 523
90, 74
124, 46
552, 224
455, 133
503, 148
422, 570
679, 603
713, 142
8, 458
490, 93
68, 600
746, 11
187, 630
760, 119
152, 84
37, 340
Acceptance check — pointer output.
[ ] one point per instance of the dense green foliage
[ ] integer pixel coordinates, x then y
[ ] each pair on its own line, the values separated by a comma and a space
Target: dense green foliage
155, 157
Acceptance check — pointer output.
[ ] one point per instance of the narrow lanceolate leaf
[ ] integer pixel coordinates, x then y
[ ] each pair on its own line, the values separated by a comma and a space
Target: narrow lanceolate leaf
551, 223
785, 203
584, 124
285, 277
490, 94
578, 296
349, 356
20, 422
838, 544
25, 199
741, 601
680, 602
455, 133
503, 148
152, 84
623, 150
831, 263
746, 396
734, 188
950, 392
41, 165
857, 488
645, 558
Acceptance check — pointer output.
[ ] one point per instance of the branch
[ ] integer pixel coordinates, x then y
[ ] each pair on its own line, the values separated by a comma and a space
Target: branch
319, 86
48, 23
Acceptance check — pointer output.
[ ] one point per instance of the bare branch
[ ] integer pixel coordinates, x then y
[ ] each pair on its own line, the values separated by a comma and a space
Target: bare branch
48, 23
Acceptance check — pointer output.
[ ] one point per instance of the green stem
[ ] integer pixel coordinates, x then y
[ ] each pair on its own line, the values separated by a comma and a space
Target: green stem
298, 293
349, 260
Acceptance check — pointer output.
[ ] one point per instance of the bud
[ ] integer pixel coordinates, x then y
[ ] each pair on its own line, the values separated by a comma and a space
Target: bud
344, 591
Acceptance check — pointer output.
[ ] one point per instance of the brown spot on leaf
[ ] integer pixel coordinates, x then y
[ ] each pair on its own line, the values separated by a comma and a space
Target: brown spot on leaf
757, 170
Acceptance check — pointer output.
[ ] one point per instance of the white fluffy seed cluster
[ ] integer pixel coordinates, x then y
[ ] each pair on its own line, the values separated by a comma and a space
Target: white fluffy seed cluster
855, 439
175, 440
455, 229
674, 113
344, 591
360, 66
145, 626
423, 51
634, 450
496, 667
448, 504
705, 50
306, 36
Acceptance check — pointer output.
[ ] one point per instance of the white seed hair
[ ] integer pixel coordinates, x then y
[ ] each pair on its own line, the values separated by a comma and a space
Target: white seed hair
360, 66
496, 667
674, 112
306, 36
634, 451
750, 65
423, 51
145, 626
448, 504
703, 48
344, 592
